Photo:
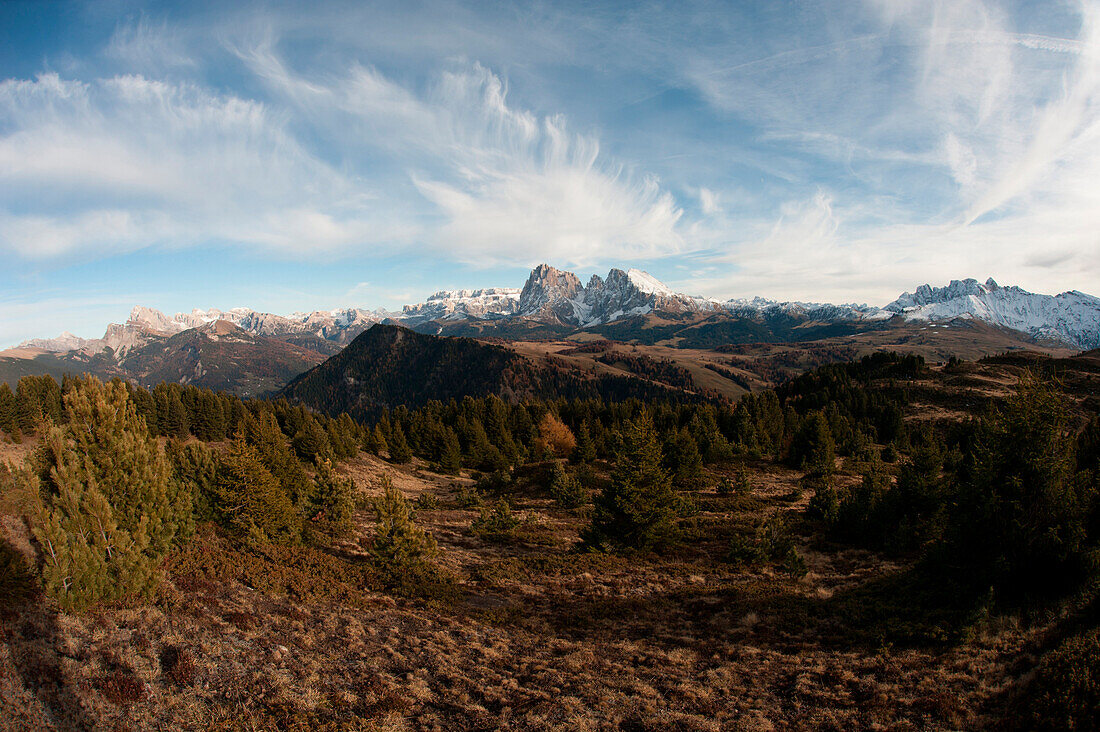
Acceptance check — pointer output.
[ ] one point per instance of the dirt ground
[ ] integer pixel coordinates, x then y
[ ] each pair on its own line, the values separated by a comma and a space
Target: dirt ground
537, 636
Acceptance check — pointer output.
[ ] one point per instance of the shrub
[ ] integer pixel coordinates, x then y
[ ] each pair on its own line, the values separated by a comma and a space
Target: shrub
1065, 691
771, 542
566, 488
496, 522
427, 502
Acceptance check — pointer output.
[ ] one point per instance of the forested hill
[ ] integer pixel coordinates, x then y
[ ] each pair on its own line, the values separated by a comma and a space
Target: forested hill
388, 366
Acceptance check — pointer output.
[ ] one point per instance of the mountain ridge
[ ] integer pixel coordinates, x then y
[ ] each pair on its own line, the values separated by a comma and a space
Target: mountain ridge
555, 301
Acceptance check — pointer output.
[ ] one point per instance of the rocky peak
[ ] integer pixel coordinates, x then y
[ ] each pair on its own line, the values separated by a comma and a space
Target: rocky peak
547, 288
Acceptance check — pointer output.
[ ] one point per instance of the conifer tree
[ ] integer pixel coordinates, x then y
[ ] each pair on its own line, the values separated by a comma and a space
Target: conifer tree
250, 500
276, 455
37, 399
311, 442
177, 423
401, 549
376, 441
450, 459
112, 506
637, 510
586, 448
566, 488
683, 459
7, 408
333, 498
399, 448
196, 467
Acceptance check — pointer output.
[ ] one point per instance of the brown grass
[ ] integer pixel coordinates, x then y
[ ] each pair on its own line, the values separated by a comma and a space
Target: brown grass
538, 636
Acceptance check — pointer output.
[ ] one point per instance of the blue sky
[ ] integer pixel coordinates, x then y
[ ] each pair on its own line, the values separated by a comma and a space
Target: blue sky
297, 156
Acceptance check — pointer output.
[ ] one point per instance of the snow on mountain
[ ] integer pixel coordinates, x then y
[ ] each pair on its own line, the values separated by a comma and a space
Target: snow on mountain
558, 297
548, 294
490, 302
1071, 317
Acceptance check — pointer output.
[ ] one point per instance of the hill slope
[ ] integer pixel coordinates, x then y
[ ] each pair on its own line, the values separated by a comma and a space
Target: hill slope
389, 365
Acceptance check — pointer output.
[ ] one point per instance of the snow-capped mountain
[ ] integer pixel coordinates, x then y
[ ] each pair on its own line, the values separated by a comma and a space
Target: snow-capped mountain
556, 299
491, 302
1070, 317
557, 296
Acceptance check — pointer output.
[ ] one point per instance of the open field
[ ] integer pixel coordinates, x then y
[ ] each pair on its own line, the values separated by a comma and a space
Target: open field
535, 636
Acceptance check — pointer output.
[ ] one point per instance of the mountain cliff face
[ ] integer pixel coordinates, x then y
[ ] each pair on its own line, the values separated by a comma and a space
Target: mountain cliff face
1071, 317
487, 303
553, 303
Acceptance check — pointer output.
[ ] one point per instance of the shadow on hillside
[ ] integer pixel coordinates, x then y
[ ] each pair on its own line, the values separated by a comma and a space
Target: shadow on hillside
31, 630
905, 610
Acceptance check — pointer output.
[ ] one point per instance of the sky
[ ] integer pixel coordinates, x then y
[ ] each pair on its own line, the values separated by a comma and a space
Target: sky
297, 156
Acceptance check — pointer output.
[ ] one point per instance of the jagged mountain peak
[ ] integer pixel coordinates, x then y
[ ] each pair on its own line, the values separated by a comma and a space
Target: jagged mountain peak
547, 288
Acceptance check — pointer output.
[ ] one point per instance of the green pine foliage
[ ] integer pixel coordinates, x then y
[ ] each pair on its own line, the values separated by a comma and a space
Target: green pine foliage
450, 459
1022, 510
111, 505
250, 501
399, 447
311, 442
195, 466
566, 488
8, 411
496, 522
402, 552
638, 509
683, 460
37, 400
333, 499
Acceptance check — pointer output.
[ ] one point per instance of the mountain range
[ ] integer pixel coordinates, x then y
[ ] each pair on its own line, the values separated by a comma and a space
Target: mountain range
263, 351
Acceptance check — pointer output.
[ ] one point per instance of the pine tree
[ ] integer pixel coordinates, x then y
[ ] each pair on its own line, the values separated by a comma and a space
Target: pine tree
112, 506
566, 489
37, 399
683, 459
250, 500
196, 467
333, 498
637, 511
586, 447
276, 455
7, 409
311, 442
450, 460
399, 448
177, 423
376, 441
402, 551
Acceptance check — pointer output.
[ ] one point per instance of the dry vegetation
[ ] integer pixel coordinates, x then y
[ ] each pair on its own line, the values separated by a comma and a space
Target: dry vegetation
534, 635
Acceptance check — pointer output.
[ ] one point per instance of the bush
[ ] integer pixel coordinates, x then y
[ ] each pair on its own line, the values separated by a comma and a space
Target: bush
427, 502
566, 488
1065, 691
496, 523
771, 542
